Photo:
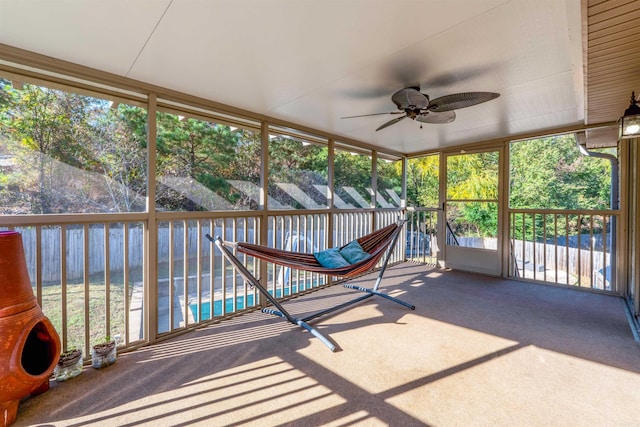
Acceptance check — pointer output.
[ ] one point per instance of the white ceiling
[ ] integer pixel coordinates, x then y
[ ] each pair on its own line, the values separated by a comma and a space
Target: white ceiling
312, 62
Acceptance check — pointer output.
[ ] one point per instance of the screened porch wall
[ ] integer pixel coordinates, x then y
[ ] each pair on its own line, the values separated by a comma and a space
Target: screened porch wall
116, 245
148, 273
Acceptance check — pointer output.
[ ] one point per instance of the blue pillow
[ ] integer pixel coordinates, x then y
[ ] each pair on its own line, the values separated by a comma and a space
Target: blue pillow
354, 253
331, 258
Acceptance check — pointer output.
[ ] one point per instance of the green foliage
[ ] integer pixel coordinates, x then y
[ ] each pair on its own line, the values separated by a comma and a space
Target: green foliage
45, 127
292, 161
287, 157
47, 130
245, 163
545, 173
6, 97
422, 181
473, 176
192, 150
352, 171
389, 176
551, 173
192, 147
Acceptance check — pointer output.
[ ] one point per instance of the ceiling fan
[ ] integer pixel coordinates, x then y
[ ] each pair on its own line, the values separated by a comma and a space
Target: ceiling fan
417, 106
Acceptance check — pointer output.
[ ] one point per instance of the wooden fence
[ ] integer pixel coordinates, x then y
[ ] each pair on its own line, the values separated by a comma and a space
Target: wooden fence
96, 254
51, 242
562, 264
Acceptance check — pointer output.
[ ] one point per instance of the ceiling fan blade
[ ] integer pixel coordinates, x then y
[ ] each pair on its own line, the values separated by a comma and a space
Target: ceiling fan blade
391, 122
460, 100
374, 114
431, 117
410, 97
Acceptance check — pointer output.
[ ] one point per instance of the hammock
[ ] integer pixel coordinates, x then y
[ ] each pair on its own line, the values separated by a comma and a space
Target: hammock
376, 244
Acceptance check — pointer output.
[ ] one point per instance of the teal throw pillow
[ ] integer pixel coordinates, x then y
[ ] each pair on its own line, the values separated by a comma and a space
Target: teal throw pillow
354, 253
331, 258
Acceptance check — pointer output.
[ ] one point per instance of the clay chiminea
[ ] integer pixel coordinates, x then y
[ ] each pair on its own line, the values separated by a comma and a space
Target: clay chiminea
29, 344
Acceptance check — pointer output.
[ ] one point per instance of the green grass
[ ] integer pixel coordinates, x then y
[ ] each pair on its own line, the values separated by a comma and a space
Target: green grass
76, 318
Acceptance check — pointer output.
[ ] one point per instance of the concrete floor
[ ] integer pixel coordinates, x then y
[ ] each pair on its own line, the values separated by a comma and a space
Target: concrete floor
477, 351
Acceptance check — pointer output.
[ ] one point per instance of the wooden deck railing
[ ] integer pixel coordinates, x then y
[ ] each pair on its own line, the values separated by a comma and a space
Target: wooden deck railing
567, 247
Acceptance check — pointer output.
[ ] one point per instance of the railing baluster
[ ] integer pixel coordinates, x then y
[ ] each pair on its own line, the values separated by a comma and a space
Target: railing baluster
591, 249
171, 274
234, 275
199, 272
309, 244
283, 243
605, 220
256, 263
535, 242
578, 264
38, 266
63, 283
524, 238
299, 234
212, 270
555, 247
225, 265
245, 231
86, 280
107, 279
125, 280
544, 247
185, 272
566, 242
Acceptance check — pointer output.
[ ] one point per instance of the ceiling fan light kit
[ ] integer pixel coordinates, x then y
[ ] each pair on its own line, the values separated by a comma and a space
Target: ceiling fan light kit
417, 106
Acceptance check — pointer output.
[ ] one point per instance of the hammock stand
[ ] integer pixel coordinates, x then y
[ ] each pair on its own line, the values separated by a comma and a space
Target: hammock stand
380, 242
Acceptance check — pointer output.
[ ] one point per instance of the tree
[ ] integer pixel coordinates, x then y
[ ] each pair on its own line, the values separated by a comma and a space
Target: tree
389, 177
422, 181
5, 95
88, 156
192, 149
351, 171
45, 125
120, 156
296, 162
473, 178
551, 173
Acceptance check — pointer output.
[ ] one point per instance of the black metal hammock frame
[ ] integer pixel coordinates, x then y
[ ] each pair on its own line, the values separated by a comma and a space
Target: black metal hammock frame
380, 242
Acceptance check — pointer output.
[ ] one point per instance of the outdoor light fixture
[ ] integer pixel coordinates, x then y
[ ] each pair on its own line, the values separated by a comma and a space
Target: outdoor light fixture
630, 122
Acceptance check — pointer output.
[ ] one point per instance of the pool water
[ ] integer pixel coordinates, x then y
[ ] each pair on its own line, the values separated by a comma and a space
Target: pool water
205, 310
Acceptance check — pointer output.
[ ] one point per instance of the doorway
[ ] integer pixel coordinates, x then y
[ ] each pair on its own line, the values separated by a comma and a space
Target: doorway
472, 225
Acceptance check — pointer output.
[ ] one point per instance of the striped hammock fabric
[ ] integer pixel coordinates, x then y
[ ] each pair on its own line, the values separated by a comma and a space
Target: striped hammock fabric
374, 244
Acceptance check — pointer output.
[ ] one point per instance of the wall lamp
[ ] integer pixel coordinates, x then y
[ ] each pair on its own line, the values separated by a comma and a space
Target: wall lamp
630, 122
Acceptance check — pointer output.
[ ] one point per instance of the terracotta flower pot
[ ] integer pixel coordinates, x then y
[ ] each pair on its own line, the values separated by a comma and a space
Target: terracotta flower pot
30, 345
